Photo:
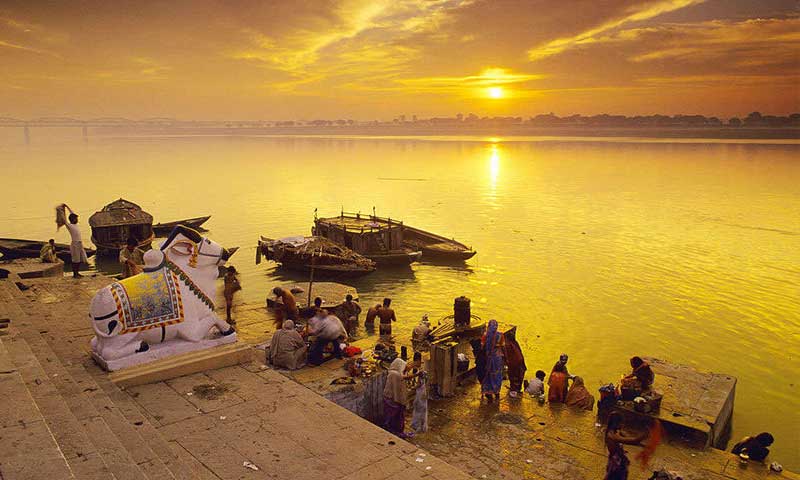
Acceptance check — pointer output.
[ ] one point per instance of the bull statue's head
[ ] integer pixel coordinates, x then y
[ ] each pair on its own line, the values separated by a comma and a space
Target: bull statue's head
195, 254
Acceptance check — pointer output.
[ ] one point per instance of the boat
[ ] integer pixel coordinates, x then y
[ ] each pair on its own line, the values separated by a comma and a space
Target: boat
324, 256
11, 248
379, 239
117, 222
436, 247
164, 229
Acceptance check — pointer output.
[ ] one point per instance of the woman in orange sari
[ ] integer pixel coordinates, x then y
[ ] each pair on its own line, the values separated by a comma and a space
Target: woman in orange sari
558, 384
578, 396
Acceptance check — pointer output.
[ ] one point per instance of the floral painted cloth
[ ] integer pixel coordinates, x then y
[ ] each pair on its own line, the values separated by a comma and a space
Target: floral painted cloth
149, 300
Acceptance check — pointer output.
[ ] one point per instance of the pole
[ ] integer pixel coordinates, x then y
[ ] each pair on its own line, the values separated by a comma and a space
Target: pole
311, 277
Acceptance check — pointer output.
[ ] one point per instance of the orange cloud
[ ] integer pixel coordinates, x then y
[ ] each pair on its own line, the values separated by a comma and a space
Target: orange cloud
634, 14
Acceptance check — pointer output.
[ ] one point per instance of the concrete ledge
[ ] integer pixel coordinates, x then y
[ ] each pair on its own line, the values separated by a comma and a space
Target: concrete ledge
160, 351
183, 364
32, 268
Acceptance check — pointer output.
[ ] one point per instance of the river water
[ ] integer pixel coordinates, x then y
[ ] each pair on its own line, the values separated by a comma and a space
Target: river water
688, 250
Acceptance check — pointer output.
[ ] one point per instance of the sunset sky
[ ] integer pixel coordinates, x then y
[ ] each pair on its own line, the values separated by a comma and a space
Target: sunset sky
365, 59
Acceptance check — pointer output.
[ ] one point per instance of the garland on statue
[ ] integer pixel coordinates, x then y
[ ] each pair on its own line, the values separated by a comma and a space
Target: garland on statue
190, 283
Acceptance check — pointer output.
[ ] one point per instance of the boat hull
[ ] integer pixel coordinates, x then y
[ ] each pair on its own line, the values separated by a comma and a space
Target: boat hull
11, 249
325, 271
397, 259
430, 254
163, 229
114, 248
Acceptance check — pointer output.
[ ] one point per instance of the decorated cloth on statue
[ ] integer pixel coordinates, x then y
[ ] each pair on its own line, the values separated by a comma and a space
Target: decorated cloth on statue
148, 300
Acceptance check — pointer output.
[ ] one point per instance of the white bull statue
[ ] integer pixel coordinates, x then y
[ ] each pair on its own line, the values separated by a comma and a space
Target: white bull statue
172, 299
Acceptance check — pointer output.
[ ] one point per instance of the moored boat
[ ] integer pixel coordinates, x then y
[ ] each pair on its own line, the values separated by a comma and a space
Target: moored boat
326, 257
12, 248
390, 241
436, 247
163, 229
117, 222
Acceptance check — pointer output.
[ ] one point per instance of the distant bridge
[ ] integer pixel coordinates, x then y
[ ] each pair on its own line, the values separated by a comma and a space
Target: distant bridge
111, 122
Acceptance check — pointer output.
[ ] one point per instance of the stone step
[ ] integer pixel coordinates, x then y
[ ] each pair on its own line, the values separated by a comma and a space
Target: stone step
124, 431
72, 350
81, 433
134, 430
78, 361
23, 428
87, 415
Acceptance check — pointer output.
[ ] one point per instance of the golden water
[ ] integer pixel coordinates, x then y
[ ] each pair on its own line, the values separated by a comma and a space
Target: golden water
685, 250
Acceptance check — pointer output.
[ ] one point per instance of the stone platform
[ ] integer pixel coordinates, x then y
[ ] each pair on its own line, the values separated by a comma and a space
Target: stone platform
63, 418
164, 352
520, 439
24, 268
696, 405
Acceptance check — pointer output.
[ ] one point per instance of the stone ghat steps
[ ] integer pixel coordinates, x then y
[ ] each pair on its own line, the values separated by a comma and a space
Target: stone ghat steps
96, 428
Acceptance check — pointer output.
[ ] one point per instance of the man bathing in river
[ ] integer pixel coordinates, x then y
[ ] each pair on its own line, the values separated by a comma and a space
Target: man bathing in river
286, 308
349, 312
369, 321
386, 316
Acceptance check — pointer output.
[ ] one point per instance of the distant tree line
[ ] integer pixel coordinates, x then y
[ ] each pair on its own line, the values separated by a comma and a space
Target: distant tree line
754, 119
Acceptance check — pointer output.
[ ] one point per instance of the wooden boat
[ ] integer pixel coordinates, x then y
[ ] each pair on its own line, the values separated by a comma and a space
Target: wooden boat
388, 241
436, 247
327, 258
11, 248
118, 221
163, 229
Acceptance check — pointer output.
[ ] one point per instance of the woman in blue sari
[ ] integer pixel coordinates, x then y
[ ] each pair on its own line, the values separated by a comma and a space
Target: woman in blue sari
493, 348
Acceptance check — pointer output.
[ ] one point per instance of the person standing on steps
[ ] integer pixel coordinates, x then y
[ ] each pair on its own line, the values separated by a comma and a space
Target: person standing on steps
76, 249
493, 347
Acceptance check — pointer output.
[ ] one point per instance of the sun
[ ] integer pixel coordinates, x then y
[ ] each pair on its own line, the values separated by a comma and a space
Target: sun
496, 92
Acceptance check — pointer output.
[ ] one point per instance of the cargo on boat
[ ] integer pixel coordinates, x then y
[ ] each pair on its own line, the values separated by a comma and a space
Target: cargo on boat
379, 239
13, 248
326, 257
118, 221
164, 229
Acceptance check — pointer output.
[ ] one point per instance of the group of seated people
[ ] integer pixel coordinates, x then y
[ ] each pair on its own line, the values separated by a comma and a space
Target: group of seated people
640, 381
288, 348
559, 390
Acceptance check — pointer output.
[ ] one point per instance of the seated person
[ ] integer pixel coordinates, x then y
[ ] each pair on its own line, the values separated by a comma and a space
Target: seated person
132, 258
578, 396
754, 448
327, 329
641, 378
558, 383
535, 387
562, 361
48, 252
287, 349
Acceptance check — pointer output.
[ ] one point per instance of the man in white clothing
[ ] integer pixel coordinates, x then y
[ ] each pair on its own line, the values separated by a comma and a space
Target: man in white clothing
327, 329
76, 250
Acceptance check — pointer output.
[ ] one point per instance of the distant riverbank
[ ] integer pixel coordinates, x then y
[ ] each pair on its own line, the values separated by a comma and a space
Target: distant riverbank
788, 133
